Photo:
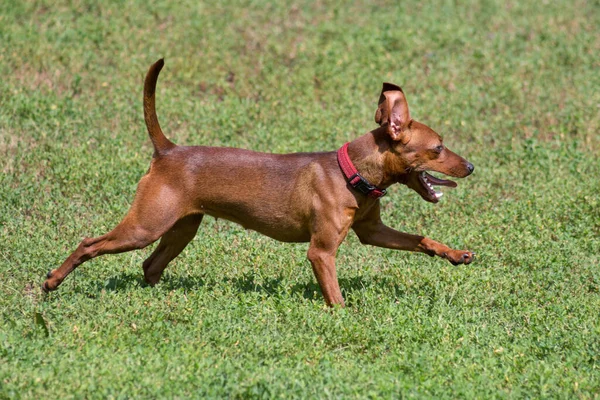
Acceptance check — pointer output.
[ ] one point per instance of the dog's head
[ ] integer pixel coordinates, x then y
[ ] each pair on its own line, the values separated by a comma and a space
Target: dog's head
416, 148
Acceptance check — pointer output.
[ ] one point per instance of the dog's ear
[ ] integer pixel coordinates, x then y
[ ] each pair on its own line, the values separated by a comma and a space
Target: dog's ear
393, 112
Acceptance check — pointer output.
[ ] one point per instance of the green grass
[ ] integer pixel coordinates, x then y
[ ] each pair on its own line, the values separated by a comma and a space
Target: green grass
512, 86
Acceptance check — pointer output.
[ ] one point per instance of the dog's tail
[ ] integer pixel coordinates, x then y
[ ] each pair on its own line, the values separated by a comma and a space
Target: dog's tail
159, 140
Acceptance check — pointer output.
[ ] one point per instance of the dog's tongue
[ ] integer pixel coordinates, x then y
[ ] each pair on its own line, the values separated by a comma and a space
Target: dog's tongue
440, 182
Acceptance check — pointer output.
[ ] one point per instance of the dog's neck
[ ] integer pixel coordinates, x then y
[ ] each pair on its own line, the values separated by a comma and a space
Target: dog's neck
375, 159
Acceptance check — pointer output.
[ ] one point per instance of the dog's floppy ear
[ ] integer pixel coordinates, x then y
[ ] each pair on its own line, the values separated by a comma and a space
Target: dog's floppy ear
393, 111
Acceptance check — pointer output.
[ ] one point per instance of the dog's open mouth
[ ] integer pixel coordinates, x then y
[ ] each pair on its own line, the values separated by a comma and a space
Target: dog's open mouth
429, 181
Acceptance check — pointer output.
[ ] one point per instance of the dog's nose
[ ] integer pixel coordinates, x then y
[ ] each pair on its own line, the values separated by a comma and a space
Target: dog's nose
470, 167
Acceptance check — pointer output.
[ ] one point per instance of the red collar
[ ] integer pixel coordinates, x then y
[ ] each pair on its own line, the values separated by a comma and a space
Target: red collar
354, 178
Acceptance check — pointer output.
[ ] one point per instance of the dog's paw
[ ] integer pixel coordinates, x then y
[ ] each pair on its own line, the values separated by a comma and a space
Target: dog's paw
45, 287
51, 283
457, 257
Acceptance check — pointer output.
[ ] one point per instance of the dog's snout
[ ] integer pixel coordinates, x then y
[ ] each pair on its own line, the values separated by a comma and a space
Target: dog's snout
470, 168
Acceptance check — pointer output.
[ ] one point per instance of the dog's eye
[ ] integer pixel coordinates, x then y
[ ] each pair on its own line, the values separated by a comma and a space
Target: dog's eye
439, 148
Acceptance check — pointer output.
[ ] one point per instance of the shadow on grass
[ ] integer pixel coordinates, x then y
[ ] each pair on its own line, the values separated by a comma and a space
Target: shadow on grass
246, 283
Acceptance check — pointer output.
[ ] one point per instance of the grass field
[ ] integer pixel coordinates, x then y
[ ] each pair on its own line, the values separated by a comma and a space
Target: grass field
511, 85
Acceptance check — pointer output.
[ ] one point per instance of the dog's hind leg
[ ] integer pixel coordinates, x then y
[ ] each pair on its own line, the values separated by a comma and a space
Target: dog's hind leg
124, 237
154, 212
172, 243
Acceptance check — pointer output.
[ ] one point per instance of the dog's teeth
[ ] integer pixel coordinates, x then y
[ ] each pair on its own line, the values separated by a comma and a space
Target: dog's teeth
438, 195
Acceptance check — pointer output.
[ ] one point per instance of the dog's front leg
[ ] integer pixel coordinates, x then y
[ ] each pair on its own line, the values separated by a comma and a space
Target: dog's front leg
323, 265
329, 231
372, 231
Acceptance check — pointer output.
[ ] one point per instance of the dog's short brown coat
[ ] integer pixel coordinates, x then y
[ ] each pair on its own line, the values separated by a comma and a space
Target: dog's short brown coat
302, 197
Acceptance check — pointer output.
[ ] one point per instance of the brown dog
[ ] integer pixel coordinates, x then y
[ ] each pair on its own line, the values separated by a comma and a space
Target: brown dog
302, 197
